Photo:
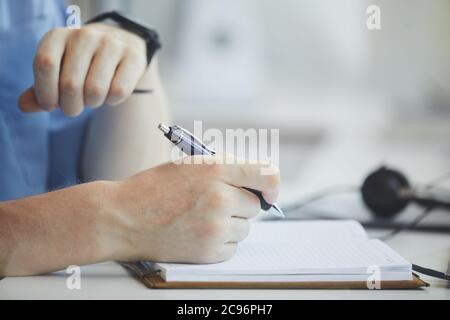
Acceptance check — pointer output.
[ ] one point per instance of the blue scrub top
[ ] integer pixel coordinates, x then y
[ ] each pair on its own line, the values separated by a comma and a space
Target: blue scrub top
38, 152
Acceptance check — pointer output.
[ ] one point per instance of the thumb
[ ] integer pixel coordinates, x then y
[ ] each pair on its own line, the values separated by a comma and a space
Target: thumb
28, 102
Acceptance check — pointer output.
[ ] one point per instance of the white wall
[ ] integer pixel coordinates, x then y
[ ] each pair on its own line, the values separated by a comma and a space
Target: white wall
325, 43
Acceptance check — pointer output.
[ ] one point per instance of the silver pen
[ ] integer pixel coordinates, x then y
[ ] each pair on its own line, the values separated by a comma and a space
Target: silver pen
191, 145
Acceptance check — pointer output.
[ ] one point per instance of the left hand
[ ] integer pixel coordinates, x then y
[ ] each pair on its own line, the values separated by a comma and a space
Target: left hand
95, 65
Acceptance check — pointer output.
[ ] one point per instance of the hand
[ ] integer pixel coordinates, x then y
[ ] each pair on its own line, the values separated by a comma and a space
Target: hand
191, 213
91, 66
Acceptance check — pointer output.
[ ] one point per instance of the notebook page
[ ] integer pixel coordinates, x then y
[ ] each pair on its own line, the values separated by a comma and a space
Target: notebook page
284, 231
312, 247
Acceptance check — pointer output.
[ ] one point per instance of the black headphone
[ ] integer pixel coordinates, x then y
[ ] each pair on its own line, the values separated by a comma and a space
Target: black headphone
386, 192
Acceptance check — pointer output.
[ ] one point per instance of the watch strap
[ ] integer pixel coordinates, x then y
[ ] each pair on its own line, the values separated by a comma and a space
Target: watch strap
150, 36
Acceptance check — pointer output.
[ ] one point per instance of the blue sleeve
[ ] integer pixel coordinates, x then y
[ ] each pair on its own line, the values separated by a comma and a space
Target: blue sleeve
38, 152
66, 140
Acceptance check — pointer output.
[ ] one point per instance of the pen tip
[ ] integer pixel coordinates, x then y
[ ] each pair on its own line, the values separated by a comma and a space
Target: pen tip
279, 212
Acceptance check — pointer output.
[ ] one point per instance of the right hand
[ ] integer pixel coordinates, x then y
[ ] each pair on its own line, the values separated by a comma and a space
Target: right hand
191, 213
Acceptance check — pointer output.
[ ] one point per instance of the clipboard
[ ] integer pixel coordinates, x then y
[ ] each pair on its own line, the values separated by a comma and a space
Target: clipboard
153, 280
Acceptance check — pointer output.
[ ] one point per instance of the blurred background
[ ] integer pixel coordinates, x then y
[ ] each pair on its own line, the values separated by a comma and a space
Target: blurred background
346, 99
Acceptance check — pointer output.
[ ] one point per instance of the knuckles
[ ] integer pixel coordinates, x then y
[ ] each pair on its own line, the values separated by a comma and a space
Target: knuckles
119, 91
84, 34
108, 40
110, 43
44, 62
55, 32
69, 85
95, 91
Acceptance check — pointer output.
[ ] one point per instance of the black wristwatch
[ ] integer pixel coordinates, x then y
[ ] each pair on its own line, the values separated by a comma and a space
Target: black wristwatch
150, 36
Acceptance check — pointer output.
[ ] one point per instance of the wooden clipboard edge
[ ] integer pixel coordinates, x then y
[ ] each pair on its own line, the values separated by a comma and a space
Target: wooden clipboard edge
156, 282
153, 280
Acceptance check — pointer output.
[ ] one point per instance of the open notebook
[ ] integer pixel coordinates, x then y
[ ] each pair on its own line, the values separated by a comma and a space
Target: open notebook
297, 251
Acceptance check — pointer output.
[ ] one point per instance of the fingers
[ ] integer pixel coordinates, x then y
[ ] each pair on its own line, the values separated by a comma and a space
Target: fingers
85, 67
128, 73
28, 101
77, 59
101, 73
253, 176
47, 64
242, 203
239, 229
228, 251
220, 254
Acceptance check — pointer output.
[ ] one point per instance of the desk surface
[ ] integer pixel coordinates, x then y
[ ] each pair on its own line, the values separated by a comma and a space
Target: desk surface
111, 281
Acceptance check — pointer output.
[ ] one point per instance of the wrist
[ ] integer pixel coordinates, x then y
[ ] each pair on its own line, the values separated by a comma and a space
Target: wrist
114, 228
150, 78
127, 231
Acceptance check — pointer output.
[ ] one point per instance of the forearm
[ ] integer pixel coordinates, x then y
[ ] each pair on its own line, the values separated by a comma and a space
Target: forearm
74, 226
124, 140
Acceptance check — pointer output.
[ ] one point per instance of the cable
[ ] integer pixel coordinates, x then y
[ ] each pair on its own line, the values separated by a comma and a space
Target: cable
414, 223
438, 180
431, 272
315, 197
335, 190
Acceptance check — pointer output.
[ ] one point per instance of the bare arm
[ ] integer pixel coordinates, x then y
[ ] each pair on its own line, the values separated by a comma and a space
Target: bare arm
52, 231
171, 213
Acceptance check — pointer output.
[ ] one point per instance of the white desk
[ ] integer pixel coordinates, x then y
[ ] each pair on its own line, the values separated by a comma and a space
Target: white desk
111, 281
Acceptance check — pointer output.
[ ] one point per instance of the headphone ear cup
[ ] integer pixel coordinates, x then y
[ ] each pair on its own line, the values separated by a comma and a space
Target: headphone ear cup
380, 192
